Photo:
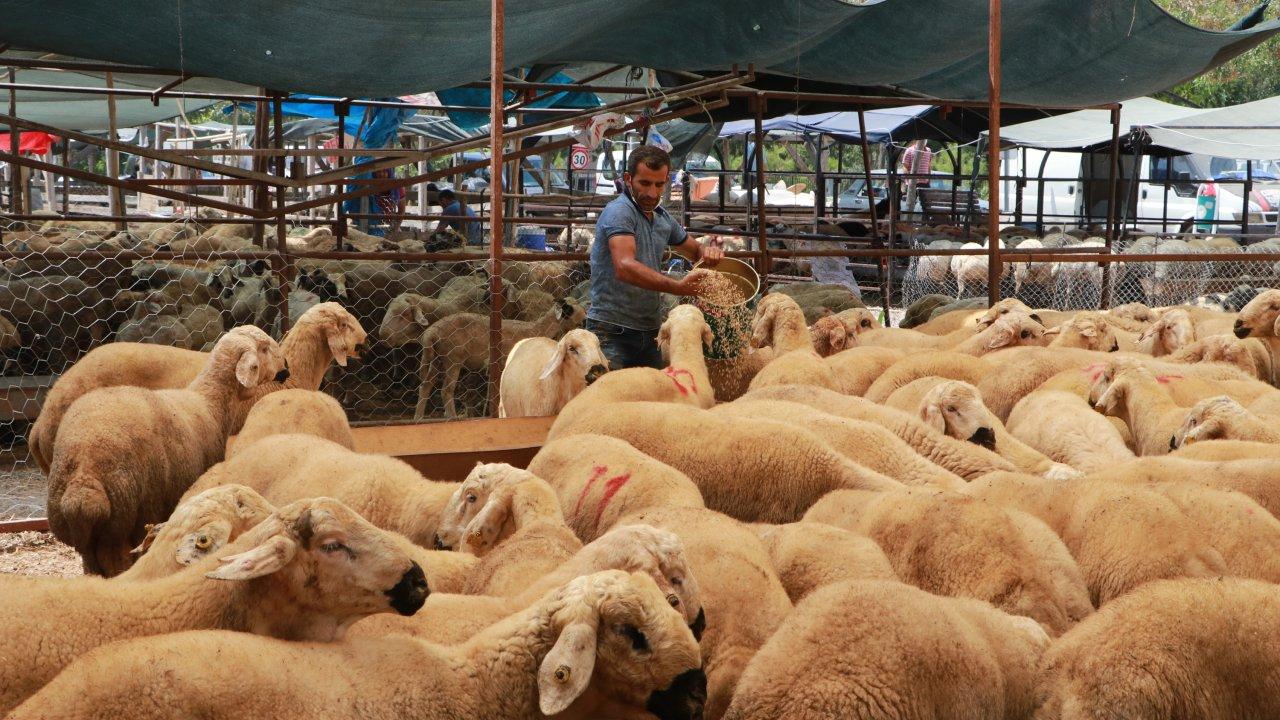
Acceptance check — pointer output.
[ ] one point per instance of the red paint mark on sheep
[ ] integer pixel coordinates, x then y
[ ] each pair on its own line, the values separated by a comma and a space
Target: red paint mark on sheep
597, 472
675, 374
1094, 371
611, 488
1166, 379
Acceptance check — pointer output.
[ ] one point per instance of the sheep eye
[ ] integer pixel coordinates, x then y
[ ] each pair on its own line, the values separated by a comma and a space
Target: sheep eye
471, 497
866, 323
639, 642
333, 546
573, 350
1026, 334
677, 581
203, 542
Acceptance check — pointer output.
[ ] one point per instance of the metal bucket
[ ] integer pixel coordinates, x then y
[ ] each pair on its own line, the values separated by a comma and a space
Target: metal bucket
731, 324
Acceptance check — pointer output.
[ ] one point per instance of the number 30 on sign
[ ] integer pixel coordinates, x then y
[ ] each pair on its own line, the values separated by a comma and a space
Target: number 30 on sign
579, 157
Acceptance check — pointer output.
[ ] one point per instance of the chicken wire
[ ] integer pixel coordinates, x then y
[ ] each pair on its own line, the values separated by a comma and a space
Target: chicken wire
69, 287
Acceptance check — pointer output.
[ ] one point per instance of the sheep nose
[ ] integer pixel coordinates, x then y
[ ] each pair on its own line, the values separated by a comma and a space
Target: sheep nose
439, 544
1173, 443
282, 375
1240, 330
683, 699
360, 348
699, 624
411, 592
984, 436
595, 372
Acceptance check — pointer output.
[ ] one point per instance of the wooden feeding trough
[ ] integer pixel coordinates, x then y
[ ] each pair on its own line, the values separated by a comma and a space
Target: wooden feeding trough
448, 450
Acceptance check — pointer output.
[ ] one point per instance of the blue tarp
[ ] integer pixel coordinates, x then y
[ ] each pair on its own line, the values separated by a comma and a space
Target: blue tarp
479, 97
376, 126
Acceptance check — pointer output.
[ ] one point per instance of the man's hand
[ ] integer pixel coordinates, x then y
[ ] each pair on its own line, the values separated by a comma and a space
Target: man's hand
711, 251
690, 284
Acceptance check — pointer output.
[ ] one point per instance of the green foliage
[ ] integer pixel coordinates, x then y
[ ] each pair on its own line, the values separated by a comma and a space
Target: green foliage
1252, 76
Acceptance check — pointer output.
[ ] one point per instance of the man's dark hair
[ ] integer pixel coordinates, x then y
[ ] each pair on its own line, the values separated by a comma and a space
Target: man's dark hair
446, 194
653, 157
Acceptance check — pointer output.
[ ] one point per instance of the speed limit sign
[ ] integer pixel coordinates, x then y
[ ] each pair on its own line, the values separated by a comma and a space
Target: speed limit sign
579, 157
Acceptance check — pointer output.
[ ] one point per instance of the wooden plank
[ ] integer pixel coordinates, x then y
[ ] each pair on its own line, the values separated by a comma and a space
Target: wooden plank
29, 524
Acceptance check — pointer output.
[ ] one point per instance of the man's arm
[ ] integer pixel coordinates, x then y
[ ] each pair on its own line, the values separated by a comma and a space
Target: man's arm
709, 252
633, 272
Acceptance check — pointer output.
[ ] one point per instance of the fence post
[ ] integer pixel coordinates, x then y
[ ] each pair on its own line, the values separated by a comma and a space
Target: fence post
993, 153
762, 234
496, 234
1113, 198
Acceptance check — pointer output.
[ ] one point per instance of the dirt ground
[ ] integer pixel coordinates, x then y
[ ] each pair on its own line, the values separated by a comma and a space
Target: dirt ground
23, 491
37, 553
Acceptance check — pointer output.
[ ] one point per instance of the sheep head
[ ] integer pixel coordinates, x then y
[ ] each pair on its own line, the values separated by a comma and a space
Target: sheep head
655, 552
829, 336
1013, 330
406, 317
1260, 316
332, 563
341, 330
1135, 311
1210, 419
1089, 331
578, 353
1172, 331
1110, 390
684, 320
956, 409
616, 632
470, 497
773, 316
858, 320
1224, 349
257, 358
1003, 308
205, 523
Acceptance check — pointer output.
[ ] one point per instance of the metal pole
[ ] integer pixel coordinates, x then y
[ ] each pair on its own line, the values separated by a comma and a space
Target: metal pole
115, 198
66, 179
1022, 183
1044, 160
1248, 190
758, 108
1113, 199
993, 154
15, 142
1168, 176
281, 268
259, 165
496, 124
885, 284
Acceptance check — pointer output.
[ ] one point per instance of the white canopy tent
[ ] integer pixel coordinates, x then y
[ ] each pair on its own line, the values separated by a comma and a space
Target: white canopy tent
1247, 132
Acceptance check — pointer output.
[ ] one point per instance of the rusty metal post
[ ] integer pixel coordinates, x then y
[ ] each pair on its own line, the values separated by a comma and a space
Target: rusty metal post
993, 153
497, 123
115, 197
259, 165
886, 284
66, 179
1248, 190
1113, 199
757, 106
283, 267
15, 142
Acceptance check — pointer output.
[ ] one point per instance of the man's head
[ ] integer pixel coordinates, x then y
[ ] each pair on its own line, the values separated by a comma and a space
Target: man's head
446, 196
648, 168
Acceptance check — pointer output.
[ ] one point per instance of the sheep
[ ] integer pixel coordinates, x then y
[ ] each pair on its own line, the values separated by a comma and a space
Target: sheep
326, 333
1046, 317
1250, 355
918, 312
1173, 331
970, 341
104, 488
1121, 536
409, 314
731, 377
542, 375
955, 408
306, 573
972, 269
200, 525
461, 341
961, 458
1254, 477
148, 324
294, 411
1063, 427
452, 619
856, 368
858, 320
882, 649
1225, 450
778, 323
869, 445
951, 544
1030, 273
204, 326
741, 594
603, 644
938, 363
753, 470
1223, 418
829, 336
601, 480
682, 338
1129, 391
1091, 331
1259, 317
809, 555
387, 492
1198, 648
1241, 530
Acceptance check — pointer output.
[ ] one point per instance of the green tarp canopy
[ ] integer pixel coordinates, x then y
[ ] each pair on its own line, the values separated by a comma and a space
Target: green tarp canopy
1089, 130
1056, 52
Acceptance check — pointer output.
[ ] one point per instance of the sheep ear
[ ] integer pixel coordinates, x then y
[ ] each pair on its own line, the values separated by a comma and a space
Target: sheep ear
708, 338
1036, 317
557, 359
762, 327
664, 339
1001, 337
335, 335
931, 414
264, 559
566, 670
1054, 330
1089, 331
482, 533
420, 317
153, 529
837, 338
247, 368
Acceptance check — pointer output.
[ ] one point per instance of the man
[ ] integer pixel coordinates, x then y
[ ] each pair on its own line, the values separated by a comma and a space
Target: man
917, 160
631, 234
469, 228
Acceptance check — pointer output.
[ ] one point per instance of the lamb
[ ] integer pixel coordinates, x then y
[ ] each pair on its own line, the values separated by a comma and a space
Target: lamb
1202, 648
604, 644
858, 367
295, 411
961, 458
682, 338
542, 375
104, 489
409, 314
1173, 331
306, 573
1129, 391
1091, 331
1258, 318
779, 323
386, 491
326, 333
809, 555
882, 649
452, 619
1225, 450
741, 614
829, 336
1250, 355
951, 544
461, 341
1241, 530
1223, 418
1121, 536
601, 479
858, 320
955, 408
200, 525
754, 470
1254, 477
865, 443
1063, 426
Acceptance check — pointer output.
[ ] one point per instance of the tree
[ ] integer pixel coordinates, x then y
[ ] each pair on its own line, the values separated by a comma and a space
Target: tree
1252, 76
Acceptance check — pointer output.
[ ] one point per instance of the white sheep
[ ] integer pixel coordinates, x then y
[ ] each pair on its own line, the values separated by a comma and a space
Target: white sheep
779, 323
542, 375
603, 644
1222, 418
294, 411
306, 573
104, 487
809, 555
1063, 426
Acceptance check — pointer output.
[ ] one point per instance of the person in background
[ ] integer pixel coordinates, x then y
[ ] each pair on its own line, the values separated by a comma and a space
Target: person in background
468, 228
917, 160
632, 233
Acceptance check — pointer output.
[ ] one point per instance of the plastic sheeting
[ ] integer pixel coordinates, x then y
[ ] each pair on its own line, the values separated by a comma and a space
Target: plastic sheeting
1247, 132
1056, 52
86, 112
887, 125
1086, 130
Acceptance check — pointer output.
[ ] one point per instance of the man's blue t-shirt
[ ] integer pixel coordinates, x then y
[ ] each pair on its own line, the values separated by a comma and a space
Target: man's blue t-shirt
468, 228
616, 302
